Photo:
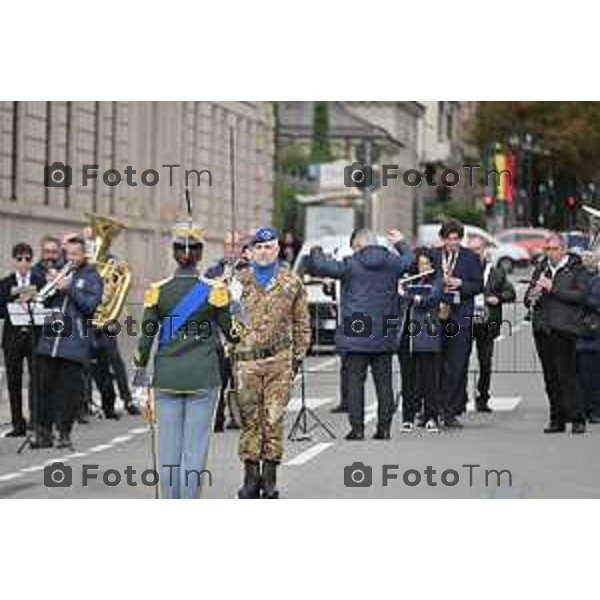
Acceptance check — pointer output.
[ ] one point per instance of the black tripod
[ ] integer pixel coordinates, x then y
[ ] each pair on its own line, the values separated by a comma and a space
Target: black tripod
33, 374
300, 430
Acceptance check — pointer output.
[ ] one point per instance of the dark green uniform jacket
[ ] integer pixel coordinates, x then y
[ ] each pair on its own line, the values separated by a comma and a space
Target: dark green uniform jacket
188, 362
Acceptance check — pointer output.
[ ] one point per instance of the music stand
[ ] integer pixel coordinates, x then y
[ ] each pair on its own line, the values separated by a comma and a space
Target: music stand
29, 314
300, 430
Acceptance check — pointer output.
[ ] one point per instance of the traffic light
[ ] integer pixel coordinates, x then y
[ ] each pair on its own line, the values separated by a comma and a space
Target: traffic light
571, 202
489, 202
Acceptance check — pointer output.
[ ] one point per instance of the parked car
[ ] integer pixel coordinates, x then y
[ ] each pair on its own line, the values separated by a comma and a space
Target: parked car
528, 238
507, 256
577, 241
323, 295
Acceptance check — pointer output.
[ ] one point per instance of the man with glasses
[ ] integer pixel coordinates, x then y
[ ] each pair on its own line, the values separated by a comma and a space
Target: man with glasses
19, 286
51, 257
556, 296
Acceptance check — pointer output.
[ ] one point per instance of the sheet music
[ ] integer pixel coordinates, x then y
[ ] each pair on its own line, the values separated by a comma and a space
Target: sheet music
18, 313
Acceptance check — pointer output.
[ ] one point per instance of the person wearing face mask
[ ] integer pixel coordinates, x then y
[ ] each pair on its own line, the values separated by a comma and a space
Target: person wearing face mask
19, 286
274, 312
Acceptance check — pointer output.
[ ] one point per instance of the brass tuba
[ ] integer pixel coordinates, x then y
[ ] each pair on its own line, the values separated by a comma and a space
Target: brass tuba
115, 275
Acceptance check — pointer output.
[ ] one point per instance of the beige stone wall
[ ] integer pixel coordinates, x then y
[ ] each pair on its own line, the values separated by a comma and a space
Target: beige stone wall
144, 135
394, 204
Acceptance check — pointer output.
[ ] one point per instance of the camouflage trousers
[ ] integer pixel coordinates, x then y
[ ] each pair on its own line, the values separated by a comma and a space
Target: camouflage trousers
263, 394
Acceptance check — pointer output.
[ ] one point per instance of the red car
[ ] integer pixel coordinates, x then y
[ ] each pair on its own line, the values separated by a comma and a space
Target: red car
528, 238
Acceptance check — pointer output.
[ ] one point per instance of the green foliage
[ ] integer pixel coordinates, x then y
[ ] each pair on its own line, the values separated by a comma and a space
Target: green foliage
285, 205
570, 130
456, 209
321, 150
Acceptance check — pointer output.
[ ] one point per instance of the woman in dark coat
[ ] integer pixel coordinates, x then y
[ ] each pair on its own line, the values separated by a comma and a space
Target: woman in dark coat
424, 331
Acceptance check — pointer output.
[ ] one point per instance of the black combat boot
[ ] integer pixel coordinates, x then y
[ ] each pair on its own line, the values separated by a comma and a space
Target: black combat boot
251, 487
269, 480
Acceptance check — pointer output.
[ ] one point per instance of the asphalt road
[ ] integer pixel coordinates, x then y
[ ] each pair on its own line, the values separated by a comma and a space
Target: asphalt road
534, 465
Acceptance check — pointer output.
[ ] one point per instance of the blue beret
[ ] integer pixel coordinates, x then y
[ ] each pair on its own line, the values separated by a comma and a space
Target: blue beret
264, 234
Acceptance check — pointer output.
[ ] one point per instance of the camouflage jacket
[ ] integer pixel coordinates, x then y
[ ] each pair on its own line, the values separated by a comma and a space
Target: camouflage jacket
275, 315
188, 362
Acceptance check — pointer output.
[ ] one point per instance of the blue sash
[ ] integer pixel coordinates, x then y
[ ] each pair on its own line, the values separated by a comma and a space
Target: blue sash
192, 302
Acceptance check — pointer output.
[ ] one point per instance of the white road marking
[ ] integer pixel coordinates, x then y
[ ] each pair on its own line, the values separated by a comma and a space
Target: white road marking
308, 454
33, 469
370, 412
11, 476
120, 439
100, 447
296, 403
138, 430
326, 363
500, 403
76, 455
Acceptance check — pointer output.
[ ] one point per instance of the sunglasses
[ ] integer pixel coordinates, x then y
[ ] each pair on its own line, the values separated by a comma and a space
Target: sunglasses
23, 258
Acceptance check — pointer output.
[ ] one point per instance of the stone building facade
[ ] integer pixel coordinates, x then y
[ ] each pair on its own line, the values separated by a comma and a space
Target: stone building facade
143, 135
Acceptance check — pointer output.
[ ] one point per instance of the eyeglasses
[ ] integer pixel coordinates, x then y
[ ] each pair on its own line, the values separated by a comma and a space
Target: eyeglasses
23, 258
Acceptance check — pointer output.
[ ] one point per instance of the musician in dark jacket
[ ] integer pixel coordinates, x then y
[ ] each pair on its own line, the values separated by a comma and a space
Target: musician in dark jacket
588, 348
51, 257
17, 341
487, 319
423, 337
463, 279
63, 354
556, 296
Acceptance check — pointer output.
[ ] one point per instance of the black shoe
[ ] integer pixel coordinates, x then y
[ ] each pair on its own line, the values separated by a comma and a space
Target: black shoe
19, 431
482, 406
452, 423
578, 427
382, 432
83, 420
555, 428
269, 480
356, 434
232, 424
132, 409
251, 487
64, 441
219, 427
112, 414
339, 409
42, 442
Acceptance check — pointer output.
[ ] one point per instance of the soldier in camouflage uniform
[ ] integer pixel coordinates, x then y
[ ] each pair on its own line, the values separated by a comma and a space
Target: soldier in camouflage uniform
277, 336
186, 366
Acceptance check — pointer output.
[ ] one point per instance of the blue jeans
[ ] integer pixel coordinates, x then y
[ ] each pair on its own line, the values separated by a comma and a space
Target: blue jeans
184, 430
